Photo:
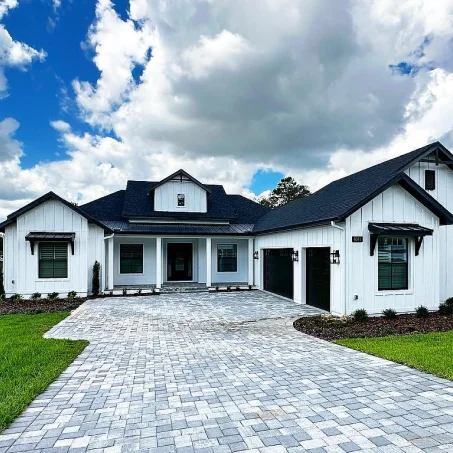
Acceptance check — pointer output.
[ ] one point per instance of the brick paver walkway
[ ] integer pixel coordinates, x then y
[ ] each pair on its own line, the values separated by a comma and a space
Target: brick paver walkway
222, 373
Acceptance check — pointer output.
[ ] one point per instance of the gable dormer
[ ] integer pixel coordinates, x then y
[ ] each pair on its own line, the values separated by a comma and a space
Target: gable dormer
180, 192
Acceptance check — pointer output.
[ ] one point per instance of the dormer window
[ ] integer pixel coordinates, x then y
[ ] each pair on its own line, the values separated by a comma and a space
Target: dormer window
181, 200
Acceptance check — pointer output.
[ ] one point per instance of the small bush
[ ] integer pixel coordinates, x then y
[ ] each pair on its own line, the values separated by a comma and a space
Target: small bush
445, 308
35, 296
95, 283
422, 312
53, 296
16, 297
72, 295
360, 315
124, 292
2, 288
389, 313
449, 302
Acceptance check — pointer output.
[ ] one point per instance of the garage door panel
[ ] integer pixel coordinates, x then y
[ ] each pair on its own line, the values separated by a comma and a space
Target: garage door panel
318, 277
278, 272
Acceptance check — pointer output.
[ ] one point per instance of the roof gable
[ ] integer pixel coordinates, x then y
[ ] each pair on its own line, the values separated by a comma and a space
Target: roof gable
341, 198
49, 196
182, 174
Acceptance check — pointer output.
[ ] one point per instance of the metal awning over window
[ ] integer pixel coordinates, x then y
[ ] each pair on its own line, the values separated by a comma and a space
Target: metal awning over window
398, 229
49, 237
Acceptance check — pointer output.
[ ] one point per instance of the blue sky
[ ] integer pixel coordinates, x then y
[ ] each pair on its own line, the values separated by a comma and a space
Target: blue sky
96, 92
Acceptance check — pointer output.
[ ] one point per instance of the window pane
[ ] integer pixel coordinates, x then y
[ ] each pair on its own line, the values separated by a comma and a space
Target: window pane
131, 258
227, 258
392, 267
53, 260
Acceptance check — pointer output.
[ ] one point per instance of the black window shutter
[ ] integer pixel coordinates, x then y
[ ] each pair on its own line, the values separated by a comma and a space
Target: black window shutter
430, 180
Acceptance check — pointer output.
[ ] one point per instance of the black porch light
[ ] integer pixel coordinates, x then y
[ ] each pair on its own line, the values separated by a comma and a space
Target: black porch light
295, 255
256, 255
335, 257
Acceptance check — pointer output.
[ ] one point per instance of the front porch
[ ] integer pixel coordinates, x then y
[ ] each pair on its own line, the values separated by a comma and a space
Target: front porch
176, 264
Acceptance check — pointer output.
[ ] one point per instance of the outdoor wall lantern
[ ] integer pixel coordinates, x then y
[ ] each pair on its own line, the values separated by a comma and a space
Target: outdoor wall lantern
256, 255
295, 255
335, 257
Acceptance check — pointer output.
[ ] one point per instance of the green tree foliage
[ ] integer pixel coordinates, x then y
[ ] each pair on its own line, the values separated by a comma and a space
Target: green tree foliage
287, 190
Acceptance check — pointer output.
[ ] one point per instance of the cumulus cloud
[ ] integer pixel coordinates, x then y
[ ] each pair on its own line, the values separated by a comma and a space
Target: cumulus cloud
13, 53
315, 89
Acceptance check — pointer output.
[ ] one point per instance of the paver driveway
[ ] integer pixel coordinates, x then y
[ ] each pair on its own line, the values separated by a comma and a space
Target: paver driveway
226, 373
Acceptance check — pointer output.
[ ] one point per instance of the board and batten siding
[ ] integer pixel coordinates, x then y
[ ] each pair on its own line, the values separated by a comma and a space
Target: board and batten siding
443, 193
96, 252
393, 205
166, 197
21, 267
300, 240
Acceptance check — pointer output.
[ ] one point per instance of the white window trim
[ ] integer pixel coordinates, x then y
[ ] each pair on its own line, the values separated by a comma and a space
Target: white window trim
237, 259
119, 258
410, 267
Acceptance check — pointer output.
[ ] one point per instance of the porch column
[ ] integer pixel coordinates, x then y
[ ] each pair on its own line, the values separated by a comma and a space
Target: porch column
158, 263
208, 262
110, 263
250, 262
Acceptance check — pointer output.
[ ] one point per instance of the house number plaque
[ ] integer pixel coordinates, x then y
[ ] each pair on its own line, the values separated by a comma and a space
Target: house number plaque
357, 238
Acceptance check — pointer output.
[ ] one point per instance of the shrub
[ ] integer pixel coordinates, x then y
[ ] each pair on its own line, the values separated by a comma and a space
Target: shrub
360, 315
2, 288
72, 295
445, 308
95, 283
422, 312
16, 297
389, 313
449, 302
35, 296
52, 296
124, 292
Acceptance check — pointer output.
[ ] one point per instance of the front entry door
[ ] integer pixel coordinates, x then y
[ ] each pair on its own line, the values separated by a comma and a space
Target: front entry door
179, 262
318, 277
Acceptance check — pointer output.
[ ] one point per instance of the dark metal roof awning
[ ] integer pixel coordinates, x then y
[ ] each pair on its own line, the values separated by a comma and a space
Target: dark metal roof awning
49, 237
398, 229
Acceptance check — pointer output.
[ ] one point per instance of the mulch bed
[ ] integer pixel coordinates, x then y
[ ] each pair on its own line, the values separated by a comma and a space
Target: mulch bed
331, 328
31, 307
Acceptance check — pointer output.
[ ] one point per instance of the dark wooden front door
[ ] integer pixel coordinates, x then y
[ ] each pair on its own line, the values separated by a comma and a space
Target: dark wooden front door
318, 277
278, 272
179, 262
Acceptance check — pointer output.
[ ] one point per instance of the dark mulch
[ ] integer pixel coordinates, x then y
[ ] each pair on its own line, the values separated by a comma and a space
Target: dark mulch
331, 328
32, 307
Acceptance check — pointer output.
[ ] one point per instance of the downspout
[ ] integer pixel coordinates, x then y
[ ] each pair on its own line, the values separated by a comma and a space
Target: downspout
338, 227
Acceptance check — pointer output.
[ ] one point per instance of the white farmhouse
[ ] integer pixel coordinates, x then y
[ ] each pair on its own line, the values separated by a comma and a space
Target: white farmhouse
377, 239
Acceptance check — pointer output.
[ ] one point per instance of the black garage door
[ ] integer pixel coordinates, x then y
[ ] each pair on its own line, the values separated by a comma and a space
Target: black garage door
278, 272
318, 277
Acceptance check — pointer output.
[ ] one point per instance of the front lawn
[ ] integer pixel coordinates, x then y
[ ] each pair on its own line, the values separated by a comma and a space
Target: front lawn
28, 362
432, 352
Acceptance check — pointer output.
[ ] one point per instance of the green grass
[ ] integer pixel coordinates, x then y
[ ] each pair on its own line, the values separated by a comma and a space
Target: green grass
28, 362
431, 352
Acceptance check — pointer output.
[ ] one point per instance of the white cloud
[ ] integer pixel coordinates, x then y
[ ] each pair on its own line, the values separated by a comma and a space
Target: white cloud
225, 88
13, 53
60, 126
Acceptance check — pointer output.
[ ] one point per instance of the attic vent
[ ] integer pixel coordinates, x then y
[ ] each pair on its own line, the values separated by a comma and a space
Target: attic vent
430, 180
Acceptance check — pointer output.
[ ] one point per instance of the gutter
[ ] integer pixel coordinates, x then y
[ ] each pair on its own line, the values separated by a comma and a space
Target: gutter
334, 225
109, 237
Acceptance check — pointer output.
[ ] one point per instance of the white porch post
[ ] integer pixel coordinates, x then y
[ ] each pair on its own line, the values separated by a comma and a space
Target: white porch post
250, 262
110, 263
158, 263
208, 262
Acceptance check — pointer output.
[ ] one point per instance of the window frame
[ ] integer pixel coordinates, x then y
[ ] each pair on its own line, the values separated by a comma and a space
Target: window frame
39, 259
183, 197
235, 248
432, 173
143, 259
408, 285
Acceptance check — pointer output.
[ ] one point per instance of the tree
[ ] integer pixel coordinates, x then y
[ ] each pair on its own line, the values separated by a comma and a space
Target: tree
287, 190
95, 283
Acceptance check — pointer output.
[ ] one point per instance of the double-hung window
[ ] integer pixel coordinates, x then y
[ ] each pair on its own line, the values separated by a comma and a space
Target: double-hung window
227, 258
393, 263
131, 258
53, 260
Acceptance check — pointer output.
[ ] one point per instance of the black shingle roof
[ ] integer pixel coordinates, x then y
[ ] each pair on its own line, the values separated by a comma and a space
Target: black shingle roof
109, 207
341, 198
